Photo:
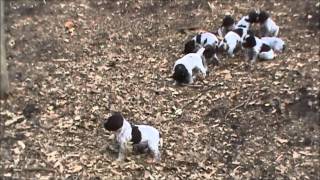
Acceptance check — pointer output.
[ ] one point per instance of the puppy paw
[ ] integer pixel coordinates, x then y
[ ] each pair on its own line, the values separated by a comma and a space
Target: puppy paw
119, 159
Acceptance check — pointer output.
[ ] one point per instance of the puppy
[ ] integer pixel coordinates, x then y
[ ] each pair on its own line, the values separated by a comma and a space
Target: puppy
275, 43
232, 41
257, 48
247, 20
141, 136
228, 24
184, 67
200, 40
268, 26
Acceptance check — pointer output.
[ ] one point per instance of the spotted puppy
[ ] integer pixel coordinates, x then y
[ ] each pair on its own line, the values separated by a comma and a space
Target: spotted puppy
268, 26
228, 24
141, 136
257, 48
275, 43
247, 20
200, 40
232, 41
184, 68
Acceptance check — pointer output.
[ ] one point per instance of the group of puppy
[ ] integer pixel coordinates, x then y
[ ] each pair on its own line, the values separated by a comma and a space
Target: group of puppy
199, 51
204, 47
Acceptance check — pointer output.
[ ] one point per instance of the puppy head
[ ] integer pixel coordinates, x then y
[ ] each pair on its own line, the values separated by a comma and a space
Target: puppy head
181, 74
227, 21
239, 31
249, 41
223, 46
189, 47
114, 122
263, 16
209, 52
253, 17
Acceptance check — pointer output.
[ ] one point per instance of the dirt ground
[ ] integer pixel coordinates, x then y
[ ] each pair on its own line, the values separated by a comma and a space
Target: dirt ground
238, 123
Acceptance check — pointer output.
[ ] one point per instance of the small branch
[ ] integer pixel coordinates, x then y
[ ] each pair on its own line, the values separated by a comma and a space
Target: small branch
245, 103
30, 169
200, 94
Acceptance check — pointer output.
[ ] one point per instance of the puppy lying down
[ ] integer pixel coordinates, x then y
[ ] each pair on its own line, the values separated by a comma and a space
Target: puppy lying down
257, 48
275, 43
142, 137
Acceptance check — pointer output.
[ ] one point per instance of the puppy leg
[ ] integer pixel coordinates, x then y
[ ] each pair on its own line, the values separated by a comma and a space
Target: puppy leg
155, 150
253, 56
267, 55
263, 31
203, 70
122, 152
230, 52
275, 34
215, 60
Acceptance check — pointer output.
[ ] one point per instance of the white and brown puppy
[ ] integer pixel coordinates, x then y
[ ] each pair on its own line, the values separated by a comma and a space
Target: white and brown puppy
140, 136
200, 40
184, 68
275, 43
257, 48
228, 24
232, 41
246, 21
268, 26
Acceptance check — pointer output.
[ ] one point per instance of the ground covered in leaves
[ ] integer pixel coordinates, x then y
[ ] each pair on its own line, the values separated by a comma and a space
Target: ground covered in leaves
73, 62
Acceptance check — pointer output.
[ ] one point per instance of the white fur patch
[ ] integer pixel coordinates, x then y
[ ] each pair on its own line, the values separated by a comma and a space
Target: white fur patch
207, 38
275, 43
230, 42
269, 28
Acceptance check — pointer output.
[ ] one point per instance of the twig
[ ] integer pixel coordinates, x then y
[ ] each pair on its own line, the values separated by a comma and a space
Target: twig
60, 60
31, 169
245, 103
200, 94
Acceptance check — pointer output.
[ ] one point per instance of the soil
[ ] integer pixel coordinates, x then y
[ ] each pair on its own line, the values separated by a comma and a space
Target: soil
72, 63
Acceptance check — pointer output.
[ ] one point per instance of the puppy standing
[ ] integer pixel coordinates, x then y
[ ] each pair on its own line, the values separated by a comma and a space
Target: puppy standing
247, 20
200, 40
228, 24
268, 26
233, 40
184, 67
257, 48
275, 43
140, 135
